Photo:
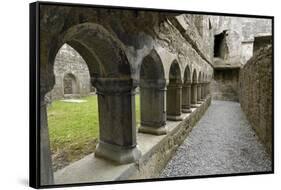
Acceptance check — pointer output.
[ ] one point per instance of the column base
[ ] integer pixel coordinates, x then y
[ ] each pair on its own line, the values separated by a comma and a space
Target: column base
153, 130
194, 105
121, 155
185, 110
175, 117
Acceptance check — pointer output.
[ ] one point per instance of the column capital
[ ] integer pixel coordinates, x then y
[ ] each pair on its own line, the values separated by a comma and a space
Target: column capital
114, 86
186, 85
159, 84
175, 85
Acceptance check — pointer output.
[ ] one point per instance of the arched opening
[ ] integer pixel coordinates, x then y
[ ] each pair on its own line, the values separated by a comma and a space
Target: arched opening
194, 89
69, 102
186, 91
220, 45
174, 93
72, 114
152, 95
110, 73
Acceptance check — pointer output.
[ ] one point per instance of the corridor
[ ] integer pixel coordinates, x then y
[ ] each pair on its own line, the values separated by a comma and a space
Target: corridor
222, 142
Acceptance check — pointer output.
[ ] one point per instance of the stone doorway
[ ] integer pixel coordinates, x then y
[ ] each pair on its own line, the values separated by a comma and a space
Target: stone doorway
70, 85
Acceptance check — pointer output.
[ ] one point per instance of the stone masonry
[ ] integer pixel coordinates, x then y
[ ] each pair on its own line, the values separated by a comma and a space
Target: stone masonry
169, 57
234, 39
255, 94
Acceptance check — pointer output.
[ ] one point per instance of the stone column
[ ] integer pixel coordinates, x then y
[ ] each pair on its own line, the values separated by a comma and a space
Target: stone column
116, 105
174, 102
198, 92
46, 169
153, 108
186, 97
193, 95
207, 88
203, 91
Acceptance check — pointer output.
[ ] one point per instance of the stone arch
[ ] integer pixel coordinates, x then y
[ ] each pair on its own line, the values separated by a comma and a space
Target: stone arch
187, 74
186, 90
103, 53
194, 76
70, 84
174, 90
110, 73
152, 95
152, 67
175, 73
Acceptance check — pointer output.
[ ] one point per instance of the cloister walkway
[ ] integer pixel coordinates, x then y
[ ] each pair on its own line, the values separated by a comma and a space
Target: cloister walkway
222, 142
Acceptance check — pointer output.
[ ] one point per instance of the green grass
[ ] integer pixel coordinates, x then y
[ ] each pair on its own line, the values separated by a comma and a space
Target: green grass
74, 129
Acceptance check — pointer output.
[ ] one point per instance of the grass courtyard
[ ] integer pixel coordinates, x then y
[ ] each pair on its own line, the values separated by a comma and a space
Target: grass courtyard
74, 129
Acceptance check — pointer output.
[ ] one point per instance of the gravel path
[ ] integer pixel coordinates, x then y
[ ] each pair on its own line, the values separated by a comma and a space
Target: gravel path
222, 142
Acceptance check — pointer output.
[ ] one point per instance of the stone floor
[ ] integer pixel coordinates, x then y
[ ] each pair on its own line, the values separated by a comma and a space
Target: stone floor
222, 142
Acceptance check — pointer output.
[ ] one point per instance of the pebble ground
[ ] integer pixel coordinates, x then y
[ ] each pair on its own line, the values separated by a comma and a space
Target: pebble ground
222, 142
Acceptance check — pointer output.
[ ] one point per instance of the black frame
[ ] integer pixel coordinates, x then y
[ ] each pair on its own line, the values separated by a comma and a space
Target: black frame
34, 93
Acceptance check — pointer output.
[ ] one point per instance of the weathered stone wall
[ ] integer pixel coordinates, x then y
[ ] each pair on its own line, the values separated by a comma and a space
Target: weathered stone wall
240, 35
256, 94
68, 61
224, 85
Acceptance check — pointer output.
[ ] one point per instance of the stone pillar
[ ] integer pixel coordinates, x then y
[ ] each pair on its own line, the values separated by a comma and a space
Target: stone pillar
186, 97
193, 95
46, 168
203, 91
207, 88
174, 102
116, 105
153, 108
198, 92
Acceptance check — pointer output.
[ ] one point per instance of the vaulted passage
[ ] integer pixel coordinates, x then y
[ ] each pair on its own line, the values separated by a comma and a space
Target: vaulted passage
222, 142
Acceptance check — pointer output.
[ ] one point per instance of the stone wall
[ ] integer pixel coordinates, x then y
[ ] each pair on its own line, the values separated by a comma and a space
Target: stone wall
68, 62
224, 85
256, 94
240, 33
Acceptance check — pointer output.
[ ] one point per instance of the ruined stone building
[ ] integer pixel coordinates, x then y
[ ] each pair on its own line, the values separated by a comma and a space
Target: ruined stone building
179, 62
72, 78
234, 46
